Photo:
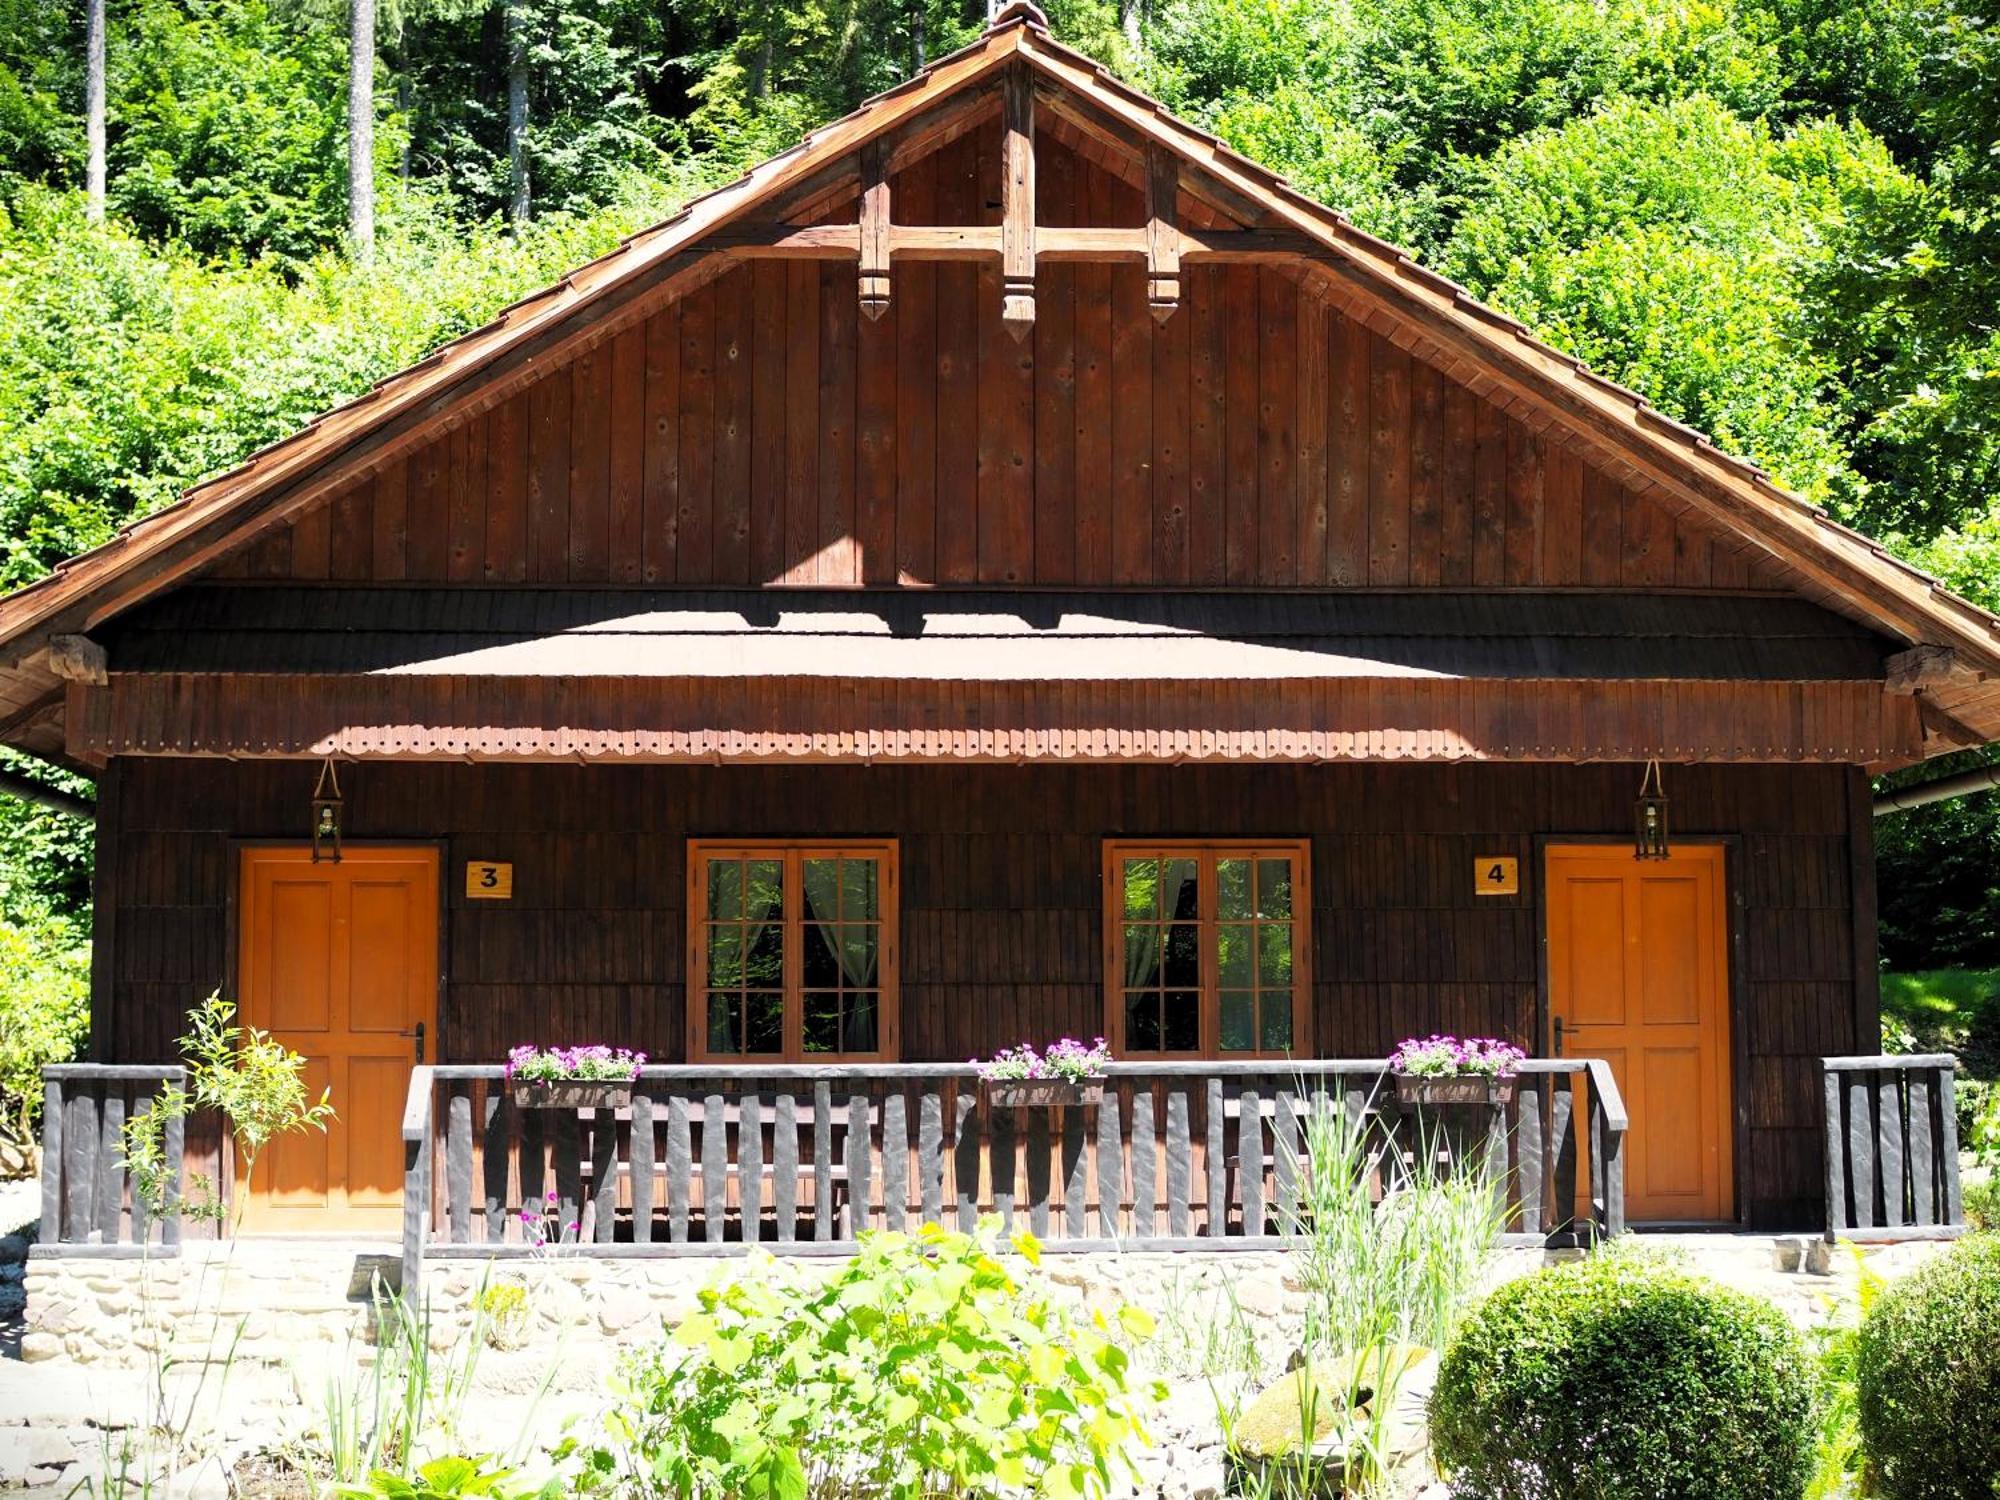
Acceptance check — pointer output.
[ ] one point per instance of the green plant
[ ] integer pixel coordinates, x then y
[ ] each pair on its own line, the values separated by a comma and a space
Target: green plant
381, 1417
925, 1366
1210, 1340
1982, 1202
439, 1479
258, 1086
256, 1083
1929, 1378
503, 1307
1983, 1139
1838, 1460
1620, 1378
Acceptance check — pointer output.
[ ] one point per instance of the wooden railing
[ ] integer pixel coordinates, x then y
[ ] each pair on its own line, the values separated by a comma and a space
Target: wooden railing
800, 1159
88, 1207
1892, 1148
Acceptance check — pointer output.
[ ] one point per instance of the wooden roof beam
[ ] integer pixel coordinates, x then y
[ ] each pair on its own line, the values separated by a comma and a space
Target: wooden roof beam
767, 241
1017, 202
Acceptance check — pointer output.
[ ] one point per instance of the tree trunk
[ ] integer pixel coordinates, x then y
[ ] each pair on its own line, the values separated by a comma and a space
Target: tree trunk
917, 34
1129, 17
361, 127
93, 110
517, 111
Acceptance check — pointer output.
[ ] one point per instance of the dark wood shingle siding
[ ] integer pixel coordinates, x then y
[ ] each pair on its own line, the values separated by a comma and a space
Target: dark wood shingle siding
1001, 902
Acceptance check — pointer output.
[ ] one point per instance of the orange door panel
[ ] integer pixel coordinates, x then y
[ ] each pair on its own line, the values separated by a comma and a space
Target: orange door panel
1638, 975
339, 963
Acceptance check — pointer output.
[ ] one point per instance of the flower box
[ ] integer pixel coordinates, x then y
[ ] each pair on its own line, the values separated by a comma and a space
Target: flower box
574, 1093
1413, 1088
1042, 1093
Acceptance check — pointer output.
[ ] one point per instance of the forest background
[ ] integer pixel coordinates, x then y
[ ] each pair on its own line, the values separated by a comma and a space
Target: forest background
1779, 219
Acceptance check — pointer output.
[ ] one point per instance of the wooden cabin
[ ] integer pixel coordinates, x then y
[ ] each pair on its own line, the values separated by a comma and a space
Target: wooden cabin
1006, 568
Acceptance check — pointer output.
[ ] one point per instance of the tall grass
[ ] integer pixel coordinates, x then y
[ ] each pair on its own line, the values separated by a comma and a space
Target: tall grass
1389, 1248
1395, 1271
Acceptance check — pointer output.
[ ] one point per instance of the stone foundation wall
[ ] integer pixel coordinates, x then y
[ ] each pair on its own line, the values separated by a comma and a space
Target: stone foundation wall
245, 1345
283, 1300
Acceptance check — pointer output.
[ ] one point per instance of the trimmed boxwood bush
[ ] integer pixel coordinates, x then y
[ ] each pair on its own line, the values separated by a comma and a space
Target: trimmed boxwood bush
1619, 1378
1929, 1376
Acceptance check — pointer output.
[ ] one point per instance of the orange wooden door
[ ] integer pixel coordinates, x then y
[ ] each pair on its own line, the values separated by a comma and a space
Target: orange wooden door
1638, 975
339, 963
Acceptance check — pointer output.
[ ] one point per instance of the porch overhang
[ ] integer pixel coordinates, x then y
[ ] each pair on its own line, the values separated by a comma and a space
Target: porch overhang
844, 676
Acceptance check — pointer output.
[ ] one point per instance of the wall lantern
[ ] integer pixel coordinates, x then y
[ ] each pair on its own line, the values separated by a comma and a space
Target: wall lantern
1650, 815
326, 814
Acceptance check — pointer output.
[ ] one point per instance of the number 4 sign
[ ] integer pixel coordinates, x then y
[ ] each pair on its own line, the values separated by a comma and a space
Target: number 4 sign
1497, 875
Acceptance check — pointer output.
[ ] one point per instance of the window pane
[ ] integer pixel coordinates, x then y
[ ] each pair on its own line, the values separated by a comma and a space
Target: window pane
857, 1032
1142, 888
822, 1021
858, 894
1183, 966
1233, 944
1274, 955
764, 889
1239, 1020
725, 888
1277, 1018
1274, 887
1232, 888
819, 947
858, 949
1142, 1021
766, 1022
725, 956
1180, 895
1182, 1020
1142, 955
723, 1011
764, 958
822, 889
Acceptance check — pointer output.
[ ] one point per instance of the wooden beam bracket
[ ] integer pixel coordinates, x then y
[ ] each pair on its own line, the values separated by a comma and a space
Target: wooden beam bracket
1163, 236
77, 658
1017, 203
874, 279
1926, 666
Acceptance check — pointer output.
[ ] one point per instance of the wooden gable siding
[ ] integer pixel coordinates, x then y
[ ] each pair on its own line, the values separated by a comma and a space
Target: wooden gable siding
1001, 902
760, 431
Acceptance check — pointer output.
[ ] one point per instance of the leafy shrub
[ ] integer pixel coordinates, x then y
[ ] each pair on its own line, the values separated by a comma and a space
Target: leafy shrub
1929, 1377
1619, 1377
922, 1367
44, 1015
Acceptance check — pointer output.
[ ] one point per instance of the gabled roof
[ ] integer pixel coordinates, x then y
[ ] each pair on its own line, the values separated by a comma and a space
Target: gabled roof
1415, 308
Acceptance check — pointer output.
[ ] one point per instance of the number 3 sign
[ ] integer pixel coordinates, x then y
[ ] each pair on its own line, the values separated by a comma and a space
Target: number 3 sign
486, 880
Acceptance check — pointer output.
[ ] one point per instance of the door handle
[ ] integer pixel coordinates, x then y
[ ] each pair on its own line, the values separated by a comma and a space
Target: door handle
417, 1032
1559, 1036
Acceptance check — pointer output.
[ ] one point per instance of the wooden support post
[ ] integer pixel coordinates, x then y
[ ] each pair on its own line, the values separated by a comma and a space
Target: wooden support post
874, 233
1163, 238
1017, 204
